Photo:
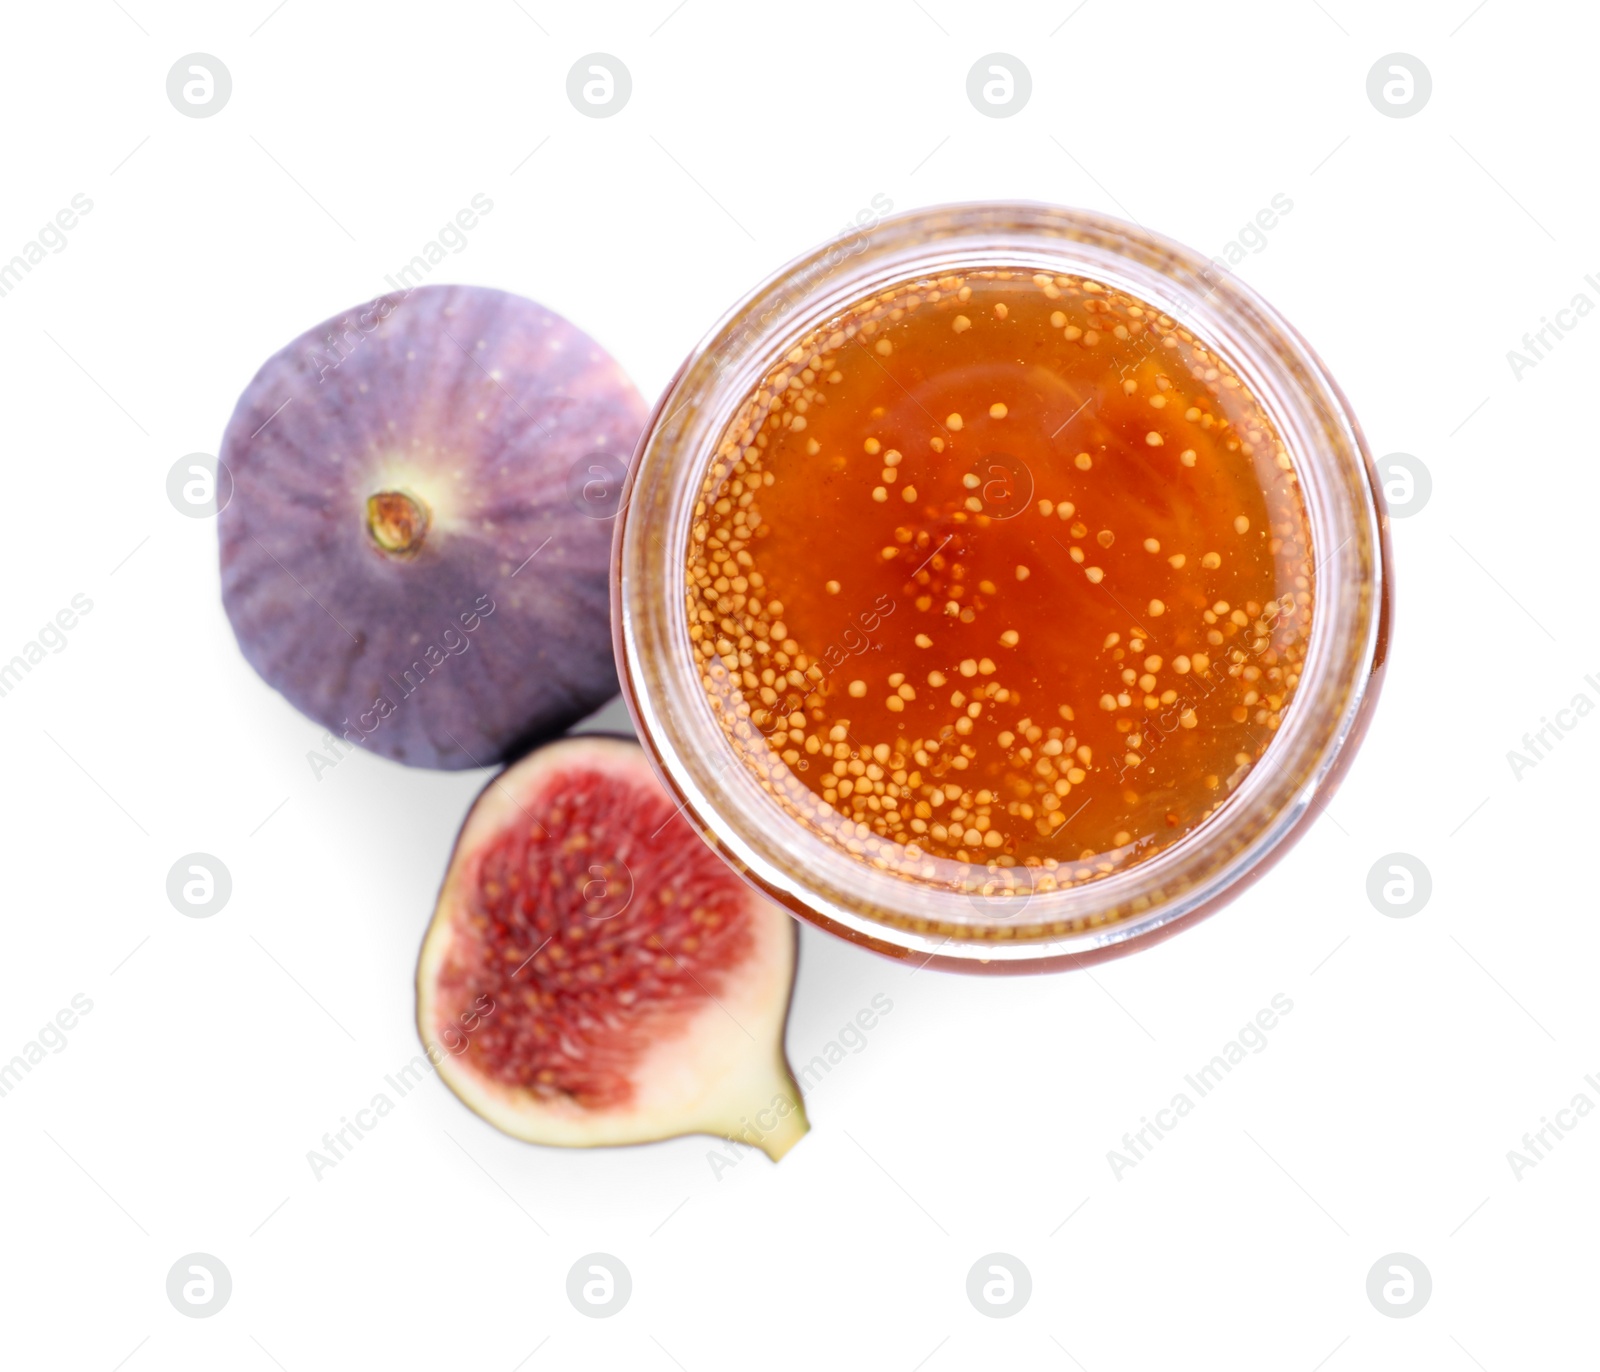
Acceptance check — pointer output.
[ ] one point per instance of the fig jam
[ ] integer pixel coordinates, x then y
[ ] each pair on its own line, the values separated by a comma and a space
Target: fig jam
1001, 579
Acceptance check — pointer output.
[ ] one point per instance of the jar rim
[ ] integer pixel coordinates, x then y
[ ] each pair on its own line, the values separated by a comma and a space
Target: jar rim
1151, 898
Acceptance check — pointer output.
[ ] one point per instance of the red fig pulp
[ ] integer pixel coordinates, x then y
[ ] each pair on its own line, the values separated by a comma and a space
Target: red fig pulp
595, 974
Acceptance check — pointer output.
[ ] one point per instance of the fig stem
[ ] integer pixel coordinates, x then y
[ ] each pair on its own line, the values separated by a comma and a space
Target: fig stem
789, 1129
398, 522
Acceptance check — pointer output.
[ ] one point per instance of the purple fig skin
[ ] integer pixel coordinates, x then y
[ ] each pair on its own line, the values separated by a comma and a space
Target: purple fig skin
484, 413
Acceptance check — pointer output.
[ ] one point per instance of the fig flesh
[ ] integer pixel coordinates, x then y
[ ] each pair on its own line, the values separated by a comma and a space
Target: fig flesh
595, 974
417, 548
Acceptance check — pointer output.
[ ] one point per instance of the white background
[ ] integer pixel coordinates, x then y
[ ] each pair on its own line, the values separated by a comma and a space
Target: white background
979, 1116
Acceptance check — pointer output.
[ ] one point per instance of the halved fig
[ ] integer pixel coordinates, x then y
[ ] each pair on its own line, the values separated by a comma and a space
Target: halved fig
595, 974
418, 544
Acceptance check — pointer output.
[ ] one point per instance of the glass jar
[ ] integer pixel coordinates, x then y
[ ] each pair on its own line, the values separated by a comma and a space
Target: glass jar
1021, 931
